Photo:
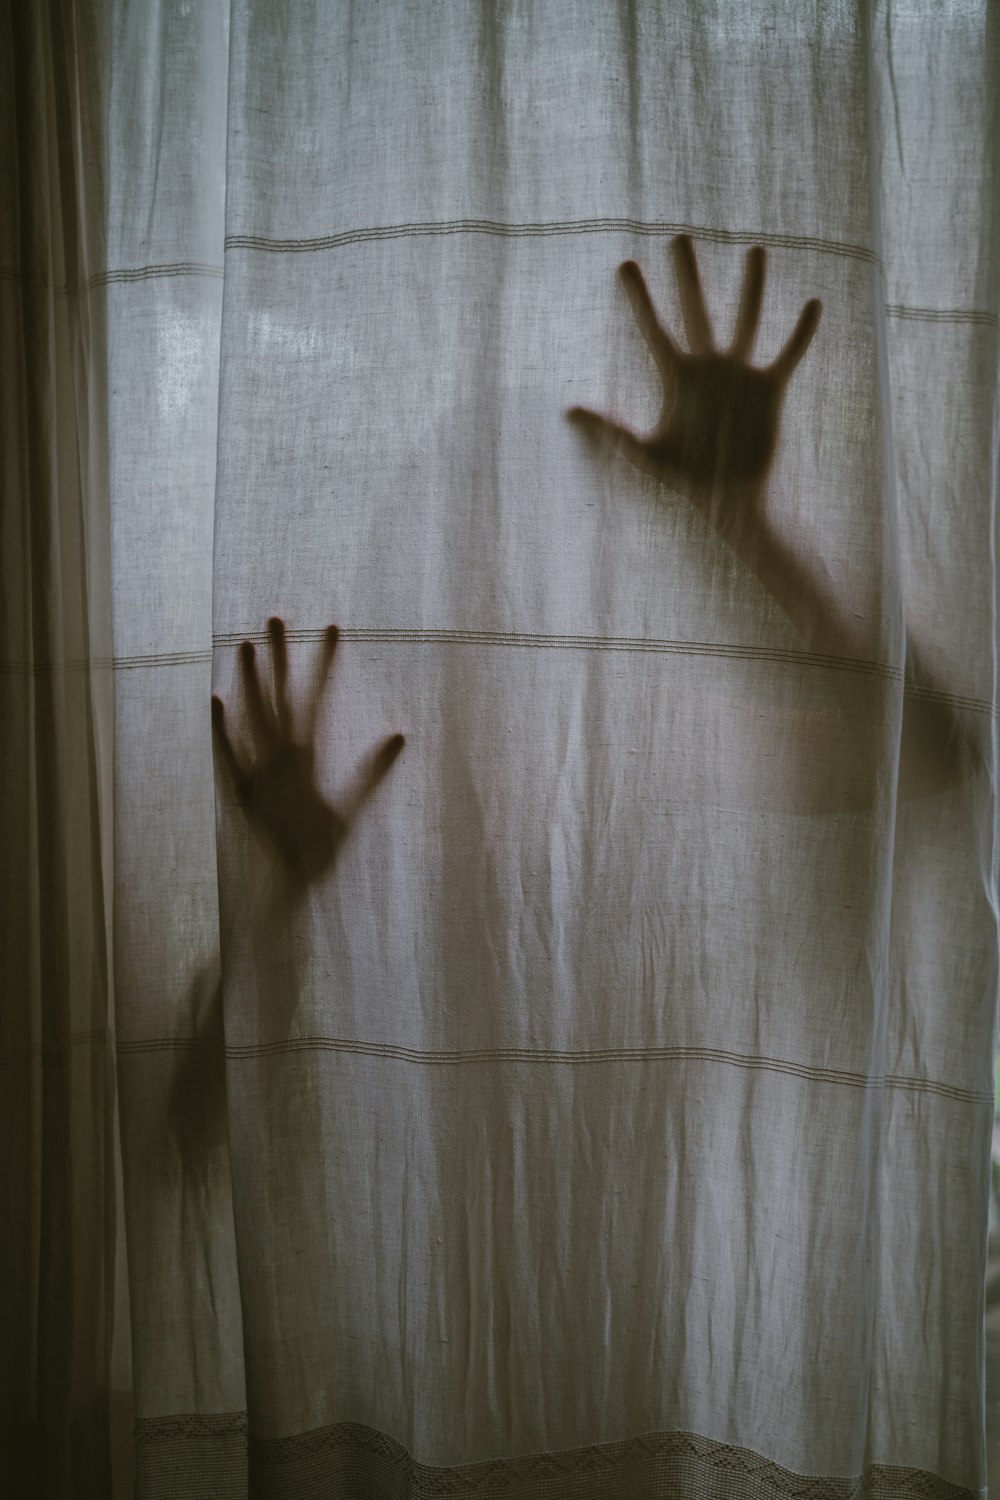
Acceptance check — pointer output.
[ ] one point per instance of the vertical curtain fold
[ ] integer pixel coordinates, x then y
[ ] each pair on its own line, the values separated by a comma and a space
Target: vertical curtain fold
58, 1096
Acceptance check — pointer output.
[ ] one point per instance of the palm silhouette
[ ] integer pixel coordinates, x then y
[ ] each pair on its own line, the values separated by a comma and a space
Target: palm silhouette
718, 429
277, 786
716, 440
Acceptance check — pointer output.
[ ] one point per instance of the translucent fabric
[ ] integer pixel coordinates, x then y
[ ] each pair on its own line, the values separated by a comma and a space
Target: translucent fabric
613, 1116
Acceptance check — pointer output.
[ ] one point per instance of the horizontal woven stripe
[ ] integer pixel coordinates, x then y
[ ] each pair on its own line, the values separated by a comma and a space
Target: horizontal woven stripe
546, 229
554, 1057
516, 640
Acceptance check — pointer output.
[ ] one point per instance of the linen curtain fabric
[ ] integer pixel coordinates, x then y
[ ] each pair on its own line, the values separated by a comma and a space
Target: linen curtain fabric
613, 1117
60, 1221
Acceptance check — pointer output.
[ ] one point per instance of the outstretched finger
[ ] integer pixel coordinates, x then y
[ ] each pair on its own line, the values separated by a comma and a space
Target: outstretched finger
605, 430
802, 336
751, 297
279, 665
331, 636
695, 314
661, 345
258, 712
374, 771
226, 751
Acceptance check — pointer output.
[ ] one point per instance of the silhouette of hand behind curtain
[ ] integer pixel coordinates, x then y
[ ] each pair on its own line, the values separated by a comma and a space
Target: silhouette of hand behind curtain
715, 441
718, 429
277, 785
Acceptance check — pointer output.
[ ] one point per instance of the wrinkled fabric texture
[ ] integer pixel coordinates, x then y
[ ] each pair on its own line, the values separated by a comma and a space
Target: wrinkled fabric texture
615, 1118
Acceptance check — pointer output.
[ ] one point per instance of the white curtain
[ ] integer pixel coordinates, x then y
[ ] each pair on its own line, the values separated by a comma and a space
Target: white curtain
613, 1117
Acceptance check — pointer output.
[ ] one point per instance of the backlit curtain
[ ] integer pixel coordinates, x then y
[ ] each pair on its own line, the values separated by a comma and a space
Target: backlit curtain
614, 1118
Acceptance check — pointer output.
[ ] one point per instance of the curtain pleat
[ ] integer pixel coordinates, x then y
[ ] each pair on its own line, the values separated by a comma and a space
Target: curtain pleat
61, 1201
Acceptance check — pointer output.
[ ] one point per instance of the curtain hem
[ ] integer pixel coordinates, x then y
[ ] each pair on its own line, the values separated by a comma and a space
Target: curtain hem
359, 1461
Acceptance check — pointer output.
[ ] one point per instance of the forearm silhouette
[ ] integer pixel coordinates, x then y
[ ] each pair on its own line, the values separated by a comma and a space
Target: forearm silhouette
275, 783
715, 442
274, 776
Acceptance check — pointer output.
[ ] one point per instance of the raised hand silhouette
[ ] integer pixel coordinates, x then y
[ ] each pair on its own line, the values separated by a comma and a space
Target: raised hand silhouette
718, 429
276, 784
715, 441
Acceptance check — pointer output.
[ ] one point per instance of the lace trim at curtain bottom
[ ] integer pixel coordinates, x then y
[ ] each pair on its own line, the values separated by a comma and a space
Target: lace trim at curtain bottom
207, 1455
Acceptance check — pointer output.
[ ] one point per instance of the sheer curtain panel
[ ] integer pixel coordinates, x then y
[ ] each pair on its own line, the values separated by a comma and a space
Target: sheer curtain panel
593, 1096
60, 1197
